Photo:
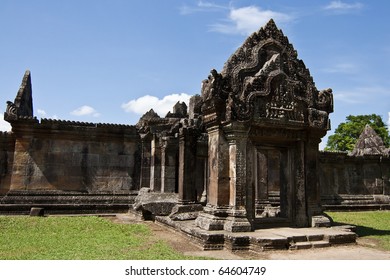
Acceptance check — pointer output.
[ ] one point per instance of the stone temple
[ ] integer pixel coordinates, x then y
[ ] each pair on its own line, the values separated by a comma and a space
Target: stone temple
243, 155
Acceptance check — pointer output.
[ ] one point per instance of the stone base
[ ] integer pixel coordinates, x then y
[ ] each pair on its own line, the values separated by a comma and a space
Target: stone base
210, 222
56, 202
283, 238
237, 224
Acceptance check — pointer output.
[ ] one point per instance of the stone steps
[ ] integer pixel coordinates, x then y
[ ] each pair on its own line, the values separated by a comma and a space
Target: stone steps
309, 245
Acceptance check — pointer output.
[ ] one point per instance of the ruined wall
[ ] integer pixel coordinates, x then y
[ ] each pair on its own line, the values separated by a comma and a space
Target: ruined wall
354, 180
7, 142
70, 156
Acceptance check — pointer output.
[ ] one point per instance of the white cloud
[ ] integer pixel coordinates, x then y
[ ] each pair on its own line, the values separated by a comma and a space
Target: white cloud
41, 112
361, 95
247, 20
85, 111
345, 68
143, 104
201, 6
4, 126
339, 6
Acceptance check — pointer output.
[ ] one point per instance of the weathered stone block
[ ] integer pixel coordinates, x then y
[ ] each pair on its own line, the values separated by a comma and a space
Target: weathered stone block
37, 212
185, 212
321, 221
155, 204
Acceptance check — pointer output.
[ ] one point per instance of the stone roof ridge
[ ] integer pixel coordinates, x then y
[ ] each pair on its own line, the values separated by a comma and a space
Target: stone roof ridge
85, 124
369, 143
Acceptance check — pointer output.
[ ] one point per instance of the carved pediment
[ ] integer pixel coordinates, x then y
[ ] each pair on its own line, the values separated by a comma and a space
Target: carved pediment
264, 79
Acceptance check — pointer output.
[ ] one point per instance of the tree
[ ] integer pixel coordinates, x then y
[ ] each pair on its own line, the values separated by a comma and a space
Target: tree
347, 133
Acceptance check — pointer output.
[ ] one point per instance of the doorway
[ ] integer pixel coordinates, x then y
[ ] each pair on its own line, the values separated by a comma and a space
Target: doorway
273, 181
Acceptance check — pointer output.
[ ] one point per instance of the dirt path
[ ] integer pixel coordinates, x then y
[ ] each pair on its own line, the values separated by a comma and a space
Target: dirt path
364, 250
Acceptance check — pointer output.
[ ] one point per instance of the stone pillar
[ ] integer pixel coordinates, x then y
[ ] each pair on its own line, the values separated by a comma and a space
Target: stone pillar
260, 164
218, 192
155, 165
299, 203
237, 135
201, 175
169, 149
145, 160
187, 164
313, 195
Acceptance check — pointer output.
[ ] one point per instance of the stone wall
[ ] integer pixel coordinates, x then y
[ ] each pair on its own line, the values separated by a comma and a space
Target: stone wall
70, 156
68, 167
354, 182
7, 142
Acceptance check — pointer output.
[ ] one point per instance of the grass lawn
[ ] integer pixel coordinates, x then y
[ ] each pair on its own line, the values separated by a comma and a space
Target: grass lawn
374, 225
78, 238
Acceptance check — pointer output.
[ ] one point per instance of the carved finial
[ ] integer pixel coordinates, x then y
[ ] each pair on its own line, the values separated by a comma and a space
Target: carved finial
23, 100
271, 24
23, 104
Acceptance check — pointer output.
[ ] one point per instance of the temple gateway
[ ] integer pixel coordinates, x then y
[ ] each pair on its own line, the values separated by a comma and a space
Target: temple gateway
264, 120
242, 156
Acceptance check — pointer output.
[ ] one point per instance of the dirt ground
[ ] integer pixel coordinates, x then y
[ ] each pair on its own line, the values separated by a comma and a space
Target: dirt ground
365, 249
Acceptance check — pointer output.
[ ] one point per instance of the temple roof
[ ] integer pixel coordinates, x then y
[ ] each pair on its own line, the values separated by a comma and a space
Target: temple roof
369, 143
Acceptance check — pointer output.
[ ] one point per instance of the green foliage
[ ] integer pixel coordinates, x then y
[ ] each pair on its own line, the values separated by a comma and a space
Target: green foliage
347, 133
371, 224
78, 238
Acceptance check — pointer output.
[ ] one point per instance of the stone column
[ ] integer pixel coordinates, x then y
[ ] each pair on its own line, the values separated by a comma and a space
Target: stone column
261, 180
169, 149
299, 204
237, 221
313, 196
188, 171
155, 165
145, 160
218, 191
187, 163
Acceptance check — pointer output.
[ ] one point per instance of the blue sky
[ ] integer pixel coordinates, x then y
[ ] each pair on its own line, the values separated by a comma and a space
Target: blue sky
111, 61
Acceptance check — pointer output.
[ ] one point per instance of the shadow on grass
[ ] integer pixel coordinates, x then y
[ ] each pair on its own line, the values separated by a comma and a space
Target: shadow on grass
363, 231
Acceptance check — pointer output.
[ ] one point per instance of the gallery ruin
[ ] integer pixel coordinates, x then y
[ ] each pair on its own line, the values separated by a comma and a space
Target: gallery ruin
243, 155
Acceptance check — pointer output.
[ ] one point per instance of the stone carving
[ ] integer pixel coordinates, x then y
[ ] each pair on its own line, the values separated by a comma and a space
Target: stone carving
265, 80
11, 112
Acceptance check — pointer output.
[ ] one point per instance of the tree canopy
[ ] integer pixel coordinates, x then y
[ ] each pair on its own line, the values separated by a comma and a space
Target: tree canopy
347, 133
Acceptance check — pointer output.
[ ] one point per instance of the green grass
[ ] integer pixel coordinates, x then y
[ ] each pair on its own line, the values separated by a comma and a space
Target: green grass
373, 225
78, 238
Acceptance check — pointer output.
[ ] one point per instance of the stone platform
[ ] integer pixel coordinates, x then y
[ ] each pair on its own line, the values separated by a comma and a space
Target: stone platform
263, 239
